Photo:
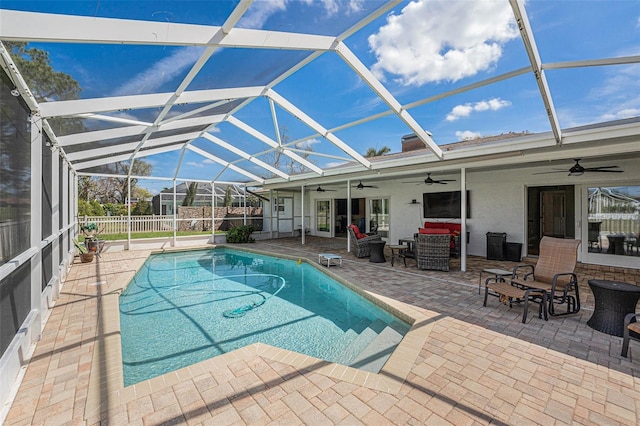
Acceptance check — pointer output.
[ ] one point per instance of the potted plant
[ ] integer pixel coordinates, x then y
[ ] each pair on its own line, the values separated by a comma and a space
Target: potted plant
91, 232
86, 256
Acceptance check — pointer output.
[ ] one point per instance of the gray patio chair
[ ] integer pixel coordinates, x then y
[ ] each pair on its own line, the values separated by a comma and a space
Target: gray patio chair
360, 247
432, 251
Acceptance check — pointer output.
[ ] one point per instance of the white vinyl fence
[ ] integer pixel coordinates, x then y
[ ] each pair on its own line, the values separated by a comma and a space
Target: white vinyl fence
118, 224
617, 223
164, 223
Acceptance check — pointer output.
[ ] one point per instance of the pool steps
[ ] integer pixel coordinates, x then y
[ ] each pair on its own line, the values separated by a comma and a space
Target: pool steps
373, 346
378, 351
341, 344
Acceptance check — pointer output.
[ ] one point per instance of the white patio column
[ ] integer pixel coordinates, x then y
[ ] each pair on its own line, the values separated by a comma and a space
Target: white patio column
213, 212
129, 213
175, 222
270, 214
463, 221
35, 243
244, 206
348, 213
302, 210
277, 214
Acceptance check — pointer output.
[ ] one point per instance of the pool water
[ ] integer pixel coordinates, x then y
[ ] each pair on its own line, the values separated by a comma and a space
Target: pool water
172, 314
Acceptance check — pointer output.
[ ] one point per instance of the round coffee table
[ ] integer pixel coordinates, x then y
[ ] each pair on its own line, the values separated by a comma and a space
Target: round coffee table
613, 300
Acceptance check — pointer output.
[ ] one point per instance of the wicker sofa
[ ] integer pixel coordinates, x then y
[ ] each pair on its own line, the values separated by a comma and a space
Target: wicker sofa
360, 246
432, 251
453, 229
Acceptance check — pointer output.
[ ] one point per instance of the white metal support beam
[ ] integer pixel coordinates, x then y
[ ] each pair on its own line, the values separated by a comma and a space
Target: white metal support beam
154, 100
225, 163
273, 144
55, 28
124, 157
299, 114
126, 148
358, 67
536, 65
245, 155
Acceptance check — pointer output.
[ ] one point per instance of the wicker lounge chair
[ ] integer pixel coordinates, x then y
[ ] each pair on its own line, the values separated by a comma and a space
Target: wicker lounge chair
432, 251
631, 331
360, 247
554, 273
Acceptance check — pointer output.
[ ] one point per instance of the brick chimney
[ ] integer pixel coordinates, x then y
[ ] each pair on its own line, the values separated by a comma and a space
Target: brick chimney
411, 143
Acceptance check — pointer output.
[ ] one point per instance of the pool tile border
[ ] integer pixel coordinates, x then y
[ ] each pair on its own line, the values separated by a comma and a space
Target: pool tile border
106, 378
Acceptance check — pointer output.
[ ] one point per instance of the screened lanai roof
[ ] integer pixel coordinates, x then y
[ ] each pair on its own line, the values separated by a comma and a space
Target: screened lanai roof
274, 91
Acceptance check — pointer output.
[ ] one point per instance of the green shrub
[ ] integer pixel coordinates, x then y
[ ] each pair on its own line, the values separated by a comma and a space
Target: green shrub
240, 234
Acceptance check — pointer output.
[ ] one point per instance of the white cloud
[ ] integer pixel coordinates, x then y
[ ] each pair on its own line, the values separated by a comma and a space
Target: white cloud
334, 164
261, 10
468, 135
307, 144
620, 93
465, 110
198, 164
434, 40
160, 72
620, 114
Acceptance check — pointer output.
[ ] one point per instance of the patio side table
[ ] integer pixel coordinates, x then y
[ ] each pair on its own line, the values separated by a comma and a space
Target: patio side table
613, 300
398, 250
377, 251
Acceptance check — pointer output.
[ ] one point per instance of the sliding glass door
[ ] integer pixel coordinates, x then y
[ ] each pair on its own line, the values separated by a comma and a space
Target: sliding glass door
379, 216
323, 218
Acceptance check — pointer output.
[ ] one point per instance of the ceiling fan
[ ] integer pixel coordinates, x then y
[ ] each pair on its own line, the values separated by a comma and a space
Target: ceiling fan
430, 181
320, 189
578, 170
361, 186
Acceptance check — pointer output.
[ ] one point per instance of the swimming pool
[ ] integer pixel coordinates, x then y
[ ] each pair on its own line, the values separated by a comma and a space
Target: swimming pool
172, 314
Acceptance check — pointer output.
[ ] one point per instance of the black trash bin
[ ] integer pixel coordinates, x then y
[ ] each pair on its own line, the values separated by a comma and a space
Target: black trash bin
514, 252
496, 245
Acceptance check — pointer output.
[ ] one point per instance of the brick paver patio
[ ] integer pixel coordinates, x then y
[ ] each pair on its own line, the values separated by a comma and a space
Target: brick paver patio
462, 363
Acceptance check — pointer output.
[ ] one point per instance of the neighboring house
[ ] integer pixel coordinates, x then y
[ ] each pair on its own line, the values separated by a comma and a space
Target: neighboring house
163, 202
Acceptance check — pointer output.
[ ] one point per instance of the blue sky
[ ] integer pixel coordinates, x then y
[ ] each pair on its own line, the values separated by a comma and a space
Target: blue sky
419, 50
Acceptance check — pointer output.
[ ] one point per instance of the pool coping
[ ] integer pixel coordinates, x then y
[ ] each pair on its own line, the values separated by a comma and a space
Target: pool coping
106, 383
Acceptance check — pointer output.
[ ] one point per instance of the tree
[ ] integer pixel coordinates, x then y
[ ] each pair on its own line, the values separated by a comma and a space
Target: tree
143, 207
96, 208
35, 67
112, 209
372, 152
228, 198
282, 162
45, 83
89, 208
86, 188
115, 190
190, 196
